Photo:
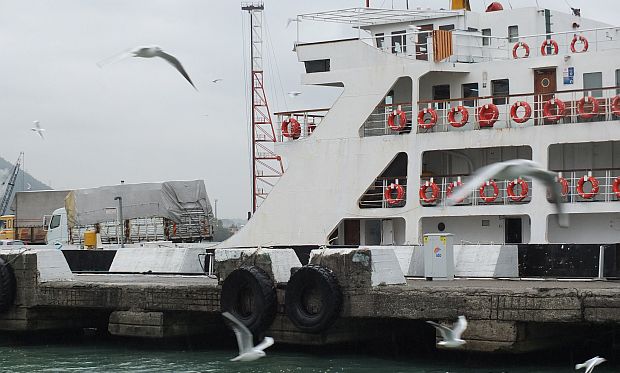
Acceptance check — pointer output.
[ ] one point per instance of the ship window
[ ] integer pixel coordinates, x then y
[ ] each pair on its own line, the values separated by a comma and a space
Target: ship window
317, 66
500, 88
380, 40
470, 90
399, 41
446, 27
486, 40
593, 80
441, 92
513, 33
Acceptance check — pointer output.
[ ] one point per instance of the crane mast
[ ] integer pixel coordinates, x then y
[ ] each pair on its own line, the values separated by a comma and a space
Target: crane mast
10, 185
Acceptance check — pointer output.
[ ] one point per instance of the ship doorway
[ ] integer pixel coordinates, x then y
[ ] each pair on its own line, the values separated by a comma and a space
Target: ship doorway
421, 47
513, 230
545, 84
352, 232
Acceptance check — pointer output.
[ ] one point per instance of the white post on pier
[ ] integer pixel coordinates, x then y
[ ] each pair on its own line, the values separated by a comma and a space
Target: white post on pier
601, 262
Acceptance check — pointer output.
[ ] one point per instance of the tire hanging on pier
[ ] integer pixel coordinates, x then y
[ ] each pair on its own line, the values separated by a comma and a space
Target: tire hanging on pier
250, 295
313, 298
8, 286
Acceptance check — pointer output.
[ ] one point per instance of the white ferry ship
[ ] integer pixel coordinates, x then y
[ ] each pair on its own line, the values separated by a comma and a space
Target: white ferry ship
430, 96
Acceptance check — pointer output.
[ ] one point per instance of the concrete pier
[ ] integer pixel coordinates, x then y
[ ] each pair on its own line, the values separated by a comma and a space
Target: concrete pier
504, 315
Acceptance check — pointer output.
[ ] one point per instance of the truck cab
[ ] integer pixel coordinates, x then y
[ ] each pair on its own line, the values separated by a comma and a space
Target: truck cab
57, 231
7, 223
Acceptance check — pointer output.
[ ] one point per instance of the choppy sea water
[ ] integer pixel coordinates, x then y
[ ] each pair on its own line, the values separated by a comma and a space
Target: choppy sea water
114, 357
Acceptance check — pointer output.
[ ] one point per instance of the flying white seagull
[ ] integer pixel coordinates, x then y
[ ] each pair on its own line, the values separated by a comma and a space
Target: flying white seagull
245, 340
149, 52
294, 93
216, 80
37, 128
509, 170
590, 364
451, 337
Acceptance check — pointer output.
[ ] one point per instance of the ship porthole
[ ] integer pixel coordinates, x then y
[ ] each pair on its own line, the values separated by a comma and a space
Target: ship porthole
441, 227
545, 82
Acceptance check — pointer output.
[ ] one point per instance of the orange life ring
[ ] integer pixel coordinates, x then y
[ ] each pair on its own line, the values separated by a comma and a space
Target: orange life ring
402, 116
526, 116
510, 189
516, 47
434, 192
422, 120
615, 106
554, 102
294, 132
451, 186
487, 115
616, 187
581, 107
564, 184
595, 188
464, 116
582, 39
543, 47
492, 197
400, 194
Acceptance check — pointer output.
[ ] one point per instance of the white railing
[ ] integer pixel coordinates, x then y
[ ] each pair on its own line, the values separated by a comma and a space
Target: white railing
377, 123
579, 107
474, 198
375, 195
308, 121
604, 177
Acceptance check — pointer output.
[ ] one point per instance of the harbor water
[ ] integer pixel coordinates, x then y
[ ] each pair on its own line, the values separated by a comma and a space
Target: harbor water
119, 356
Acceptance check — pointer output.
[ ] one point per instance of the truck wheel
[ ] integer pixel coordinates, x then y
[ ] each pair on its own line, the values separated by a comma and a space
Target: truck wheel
8, 286
250, 295
313, 298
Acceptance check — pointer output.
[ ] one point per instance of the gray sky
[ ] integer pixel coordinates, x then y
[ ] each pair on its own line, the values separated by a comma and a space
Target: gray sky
138, 120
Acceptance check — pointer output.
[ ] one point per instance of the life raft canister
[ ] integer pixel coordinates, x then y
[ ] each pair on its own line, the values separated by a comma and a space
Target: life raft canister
294, 132
452, 116
584, 42
595, 187
483, 196
400, 194
422, 123
434, 192
515, 116
516, 47
549, 105
581, 107
510, 190
402, 120
487, 115
543, 48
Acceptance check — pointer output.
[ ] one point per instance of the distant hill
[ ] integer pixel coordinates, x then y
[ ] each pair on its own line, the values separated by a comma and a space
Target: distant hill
24, 181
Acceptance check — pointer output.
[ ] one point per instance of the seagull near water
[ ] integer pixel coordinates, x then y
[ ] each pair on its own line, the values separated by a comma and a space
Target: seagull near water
509, 170
149, 52
451, 337
590, 364
37, 128
245, 340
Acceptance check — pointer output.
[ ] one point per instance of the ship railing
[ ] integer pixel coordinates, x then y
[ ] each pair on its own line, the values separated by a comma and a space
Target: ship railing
605, 178
378, 121
578, 104
375, 195
443, 182
308, 120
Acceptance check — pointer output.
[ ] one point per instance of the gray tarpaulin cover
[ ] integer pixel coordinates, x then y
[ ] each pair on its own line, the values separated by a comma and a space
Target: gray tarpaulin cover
169, 199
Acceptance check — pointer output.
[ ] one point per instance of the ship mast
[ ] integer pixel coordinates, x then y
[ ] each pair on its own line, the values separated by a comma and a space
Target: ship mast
266, 164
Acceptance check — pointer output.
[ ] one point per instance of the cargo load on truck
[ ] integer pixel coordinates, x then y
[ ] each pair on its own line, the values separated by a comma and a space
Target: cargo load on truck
32, 212
177, 211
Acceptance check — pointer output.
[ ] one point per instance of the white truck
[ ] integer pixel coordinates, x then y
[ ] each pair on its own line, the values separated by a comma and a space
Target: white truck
177, 211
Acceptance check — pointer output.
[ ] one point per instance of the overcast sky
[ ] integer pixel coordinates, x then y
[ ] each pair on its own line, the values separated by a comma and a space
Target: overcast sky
138, 120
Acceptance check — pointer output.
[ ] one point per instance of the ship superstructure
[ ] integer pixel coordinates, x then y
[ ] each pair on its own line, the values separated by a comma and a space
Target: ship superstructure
430, 96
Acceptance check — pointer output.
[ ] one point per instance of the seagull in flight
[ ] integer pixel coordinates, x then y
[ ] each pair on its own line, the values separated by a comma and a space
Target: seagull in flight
245, 340
509, 170
37, 128
217, 80
451, 337
149, 52
590, 364
294, 93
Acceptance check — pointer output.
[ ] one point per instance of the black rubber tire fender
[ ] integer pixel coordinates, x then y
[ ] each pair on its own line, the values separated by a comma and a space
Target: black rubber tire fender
8, 286
323, 283
249, 294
